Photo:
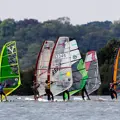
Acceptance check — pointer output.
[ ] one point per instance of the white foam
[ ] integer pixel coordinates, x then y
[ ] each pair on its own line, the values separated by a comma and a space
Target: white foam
102, 99
42, 100
19, 98
78, 98
29, 99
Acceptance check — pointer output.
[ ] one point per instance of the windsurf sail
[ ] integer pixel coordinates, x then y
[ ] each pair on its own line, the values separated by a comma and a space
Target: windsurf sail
79, 73
116, 74
9, 68
59, 70
91, 63
41, 70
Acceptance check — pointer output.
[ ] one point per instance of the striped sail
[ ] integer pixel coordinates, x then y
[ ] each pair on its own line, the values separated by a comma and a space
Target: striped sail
41, 70
91, 63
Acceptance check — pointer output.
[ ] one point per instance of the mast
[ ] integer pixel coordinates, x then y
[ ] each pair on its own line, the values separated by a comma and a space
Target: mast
36, 66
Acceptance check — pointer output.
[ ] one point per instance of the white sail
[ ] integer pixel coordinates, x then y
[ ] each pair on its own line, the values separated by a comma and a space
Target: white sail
74, 52
91, 63
42, 65
60, 72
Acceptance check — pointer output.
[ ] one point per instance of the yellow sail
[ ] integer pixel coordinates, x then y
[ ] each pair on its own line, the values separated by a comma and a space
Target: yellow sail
116, 75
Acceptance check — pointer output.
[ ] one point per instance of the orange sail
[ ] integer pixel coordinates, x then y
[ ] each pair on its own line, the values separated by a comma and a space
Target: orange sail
116, 75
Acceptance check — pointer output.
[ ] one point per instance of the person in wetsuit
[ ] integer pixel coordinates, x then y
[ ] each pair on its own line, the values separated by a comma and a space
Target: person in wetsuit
35, 90
113, 93
85, 91
2, 92
48, 91
65, 85
68, 94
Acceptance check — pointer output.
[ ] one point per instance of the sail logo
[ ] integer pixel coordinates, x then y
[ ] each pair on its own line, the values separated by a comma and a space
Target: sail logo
16, 79
11, 49
60, 55
47, 47
74, 56
55, 70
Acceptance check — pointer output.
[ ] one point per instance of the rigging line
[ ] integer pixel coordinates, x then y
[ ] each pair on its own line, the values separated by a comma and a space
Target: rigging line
11, 65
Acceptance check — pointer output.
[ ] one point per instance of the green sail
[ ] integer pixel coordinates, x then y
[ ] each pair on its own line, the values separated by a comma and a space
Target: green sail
84, 76
83, 72
9, 68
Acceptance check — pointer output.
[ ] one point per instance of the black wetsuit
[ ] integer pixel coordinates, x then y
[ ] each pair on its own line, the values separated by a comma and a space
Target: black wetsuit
35, 90
49, 93
113, 93
68, 94
1, 90
84, 90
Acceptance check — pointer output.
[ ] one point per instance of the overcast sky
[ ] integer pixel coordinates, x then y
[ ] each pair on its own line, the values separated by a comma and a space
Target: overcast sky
79, 11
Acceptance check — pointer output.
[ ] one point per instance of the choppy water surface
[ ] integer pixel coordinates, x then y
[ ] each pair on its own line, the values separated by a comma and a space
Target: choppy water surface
82, 110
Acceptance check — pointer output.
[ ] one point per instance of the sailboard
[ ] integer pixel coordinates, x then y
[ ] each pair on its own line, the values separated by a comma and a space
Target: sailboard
9, 68
91, 64
116, 73
41, 69
59, 70
79, 72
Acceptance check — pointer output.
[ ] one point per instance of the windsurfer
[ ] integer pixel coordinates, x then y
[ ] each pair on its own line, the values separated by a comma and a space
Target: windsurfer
35, 90
112, 90
2, 92
68, 94
84, 90
48, 91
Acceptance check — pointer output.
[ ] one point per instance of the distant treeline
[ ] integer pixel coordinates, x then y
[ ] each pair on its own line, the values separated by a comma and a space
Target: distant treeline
30, 33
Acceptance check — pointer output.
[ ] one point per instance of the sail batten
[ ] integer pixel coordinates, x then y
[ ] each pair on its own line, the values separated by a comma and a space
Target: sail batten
9, 67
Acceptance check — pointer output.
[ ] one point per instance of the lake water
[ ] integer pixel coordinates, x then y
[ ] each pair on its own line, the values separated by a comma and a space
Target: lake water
75, 110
